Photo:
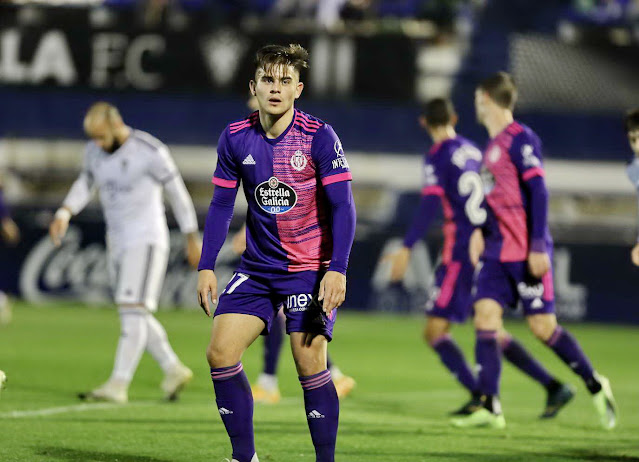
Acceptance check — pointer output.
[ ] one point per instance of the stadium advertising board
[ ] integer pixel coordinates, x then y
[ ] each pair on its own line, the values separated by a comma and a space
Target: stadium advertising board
77, 270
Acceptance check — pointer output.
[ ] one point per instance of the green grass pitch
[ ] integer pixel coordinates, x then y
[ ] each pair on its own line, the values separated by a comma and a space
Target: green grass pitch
397, 413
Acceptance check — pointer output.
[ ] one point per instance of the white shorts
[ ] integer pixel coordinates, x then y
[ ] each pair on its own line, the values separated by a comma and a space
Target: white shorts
137, 275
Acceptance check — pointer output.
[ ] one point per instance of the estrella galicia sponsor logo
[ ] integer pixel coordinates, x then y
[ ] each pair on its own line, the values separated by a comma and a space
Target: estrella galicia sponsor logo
275, 196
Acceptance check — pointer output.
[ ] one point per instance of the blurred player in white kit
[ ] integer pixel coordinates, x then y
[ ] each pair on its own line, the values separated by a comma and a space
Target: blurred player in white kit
131, 169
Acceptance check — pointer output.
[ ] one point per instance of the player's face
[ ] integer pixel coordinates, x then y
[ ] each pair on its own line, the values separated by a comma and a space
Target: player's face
101, 132
481, 102
277, 90
633, 138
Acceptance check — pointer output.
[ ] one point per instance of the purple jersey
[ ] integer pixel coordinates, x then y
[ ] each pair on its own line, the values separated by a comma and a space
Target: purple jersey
512, 158
451, 171
288, 220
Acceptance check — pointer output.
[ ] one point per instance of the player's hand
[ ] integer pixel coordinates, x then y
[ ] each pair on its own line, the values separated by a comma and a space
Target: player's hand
59, 225
206, 285
238, 243
399, 263
538, 264
635, 254
10, 231
476, 246
193, 249
332, 290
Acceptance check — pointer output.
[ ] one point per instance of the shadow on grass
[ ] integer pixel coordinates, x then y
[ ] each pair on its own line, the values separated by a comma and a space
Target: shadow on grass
59, 453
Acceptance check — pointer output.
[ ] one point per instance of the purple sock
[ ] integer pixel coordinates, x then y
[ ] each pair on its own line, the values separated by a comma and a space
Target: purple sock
322, 413
515, 353
488, 358
454, 360
273, 346
567, 348
235, 403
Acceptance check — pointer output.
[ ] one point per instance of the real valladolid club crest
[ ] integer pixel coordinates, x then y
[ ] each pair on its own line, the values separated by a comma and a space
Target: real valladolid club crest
298, 161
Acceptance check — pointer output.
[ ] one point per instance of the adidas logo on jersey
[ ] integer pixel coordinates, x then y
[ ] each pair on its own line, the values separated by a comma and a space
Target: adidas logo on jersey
315, 415
224, 411
248, 160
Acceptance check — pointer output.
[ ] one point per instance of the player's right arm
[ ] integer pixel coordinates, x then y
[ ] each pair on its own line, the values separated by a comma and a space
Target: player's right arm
218, 219
526, 155
429, 205
78, 197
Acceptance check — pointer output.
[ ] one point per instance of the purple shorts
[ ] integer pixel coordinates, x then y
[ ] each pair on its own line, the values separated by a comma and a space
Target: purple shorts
510, 282
264, 296
450, 296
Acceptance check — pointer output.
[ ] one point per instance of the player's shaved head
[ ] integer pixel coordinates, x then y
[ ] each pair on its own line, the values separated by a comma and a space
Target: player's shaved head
501, 88
439, 112
271, 57
104, 125
101, 112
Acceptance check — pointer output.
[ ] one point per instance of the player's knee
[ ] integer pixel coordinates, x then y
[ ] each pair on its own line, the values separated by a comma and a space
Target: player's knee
435, 329
487, 315
542, 326
310, 365
218, 356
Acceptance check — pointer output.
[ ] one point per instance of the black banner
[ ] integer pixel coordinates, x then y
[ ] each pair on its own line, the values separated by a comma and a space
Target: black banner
75, 48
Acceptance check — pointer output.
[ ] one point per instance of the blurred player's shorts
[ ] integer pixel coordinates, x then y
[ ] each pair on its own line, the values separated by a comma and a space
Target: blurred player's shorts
137, 274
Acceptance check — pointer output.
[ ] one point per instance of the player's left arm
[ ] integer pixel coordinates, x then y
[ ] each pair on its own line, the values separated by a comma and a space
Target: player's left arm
526, 154
164, 170
335, 175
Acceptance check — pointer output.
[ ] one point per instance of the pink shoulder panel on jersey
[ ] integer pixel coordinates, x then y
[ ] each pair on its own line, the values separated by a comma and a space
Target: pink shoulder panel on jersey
242, 124
306, 123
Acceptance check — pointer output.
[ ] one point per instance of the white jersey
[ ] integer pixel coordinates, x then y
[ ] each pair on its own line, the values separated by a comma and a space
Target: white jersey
130, 183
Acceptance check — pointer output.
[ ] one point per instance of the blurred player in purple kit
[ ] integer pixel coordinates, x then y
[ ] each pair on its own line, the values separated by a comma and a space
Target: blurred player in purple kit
513, 251
300, 229
451, 178
266, 389
631, 124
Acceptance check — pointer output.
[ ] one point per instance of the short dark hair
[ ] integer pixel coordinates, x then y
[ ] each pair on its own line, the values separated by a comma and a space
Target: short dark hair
631, 120
438, 112
277, 55
501, 88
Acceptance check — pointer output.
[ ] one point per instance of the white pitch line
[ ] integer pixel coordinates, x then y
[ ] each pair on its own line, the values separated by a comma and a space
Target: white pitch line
64, 409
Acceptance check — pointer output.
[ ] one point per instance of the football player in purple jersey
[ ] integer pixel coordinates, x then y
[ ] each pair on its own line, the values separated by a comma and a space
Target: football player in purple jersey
300, 229
451, 180
512, 252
